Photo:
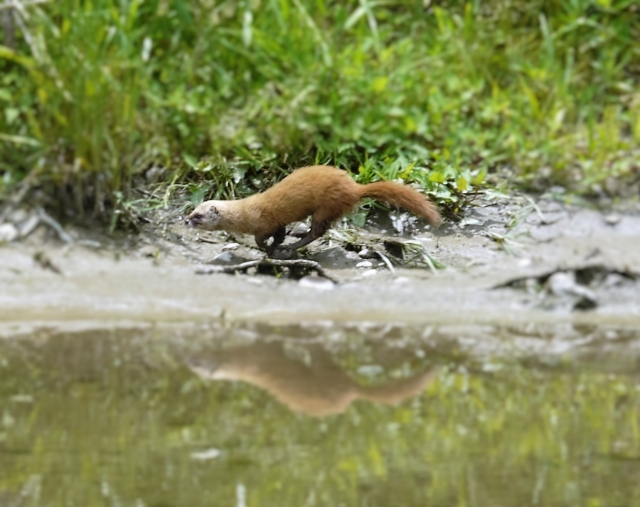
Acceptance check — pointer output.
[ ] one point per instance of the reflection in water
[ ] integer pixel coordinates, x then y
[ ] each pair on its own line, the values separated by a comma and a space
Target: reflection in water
316, 386
115, 418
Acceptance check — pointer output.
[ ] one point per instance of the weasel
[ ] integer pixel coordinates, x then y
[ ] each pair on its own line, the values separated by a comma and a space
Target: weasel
316, 386
326, 193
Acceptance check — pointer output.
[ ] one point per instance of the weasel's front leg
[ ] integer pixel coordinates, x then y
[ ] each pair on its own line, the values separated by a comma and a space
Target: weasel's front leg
278, 237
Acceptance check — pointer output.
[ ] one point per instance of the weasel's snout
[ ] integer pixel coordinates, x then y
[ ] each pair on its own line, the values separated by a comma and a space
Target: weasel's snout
193, 220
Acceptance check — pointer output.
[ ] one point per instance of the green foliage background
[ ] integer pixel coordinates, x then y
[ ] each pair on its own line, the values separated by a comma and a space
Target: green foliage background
236, 93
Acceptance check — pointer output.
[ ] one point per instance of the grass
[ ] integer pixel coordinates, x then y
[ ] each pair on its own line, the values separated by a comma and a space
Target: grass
228, 96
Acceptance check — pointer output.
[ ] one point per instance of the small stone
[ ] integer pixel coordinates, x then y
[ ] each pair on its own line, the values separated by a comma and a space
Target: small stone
316, 282
524, 262
8, 232
351, 255
226, 259
562, 283
367, 253
364, 264
614, 280
369, 273
230, 246
612, 219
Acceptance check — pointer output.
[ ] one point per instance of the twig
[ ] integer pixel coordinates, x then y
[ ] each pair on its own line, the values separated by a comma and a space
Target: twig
62, 234
243, 266
200, 239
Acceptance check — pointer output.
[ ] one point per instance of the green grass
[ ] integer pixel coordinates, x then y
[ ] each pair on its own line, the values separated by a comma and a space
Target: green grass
230, 95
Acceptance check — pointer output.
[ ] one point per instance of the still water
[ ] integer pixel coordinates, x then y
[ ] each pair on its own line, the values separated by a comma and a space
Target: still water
251, 415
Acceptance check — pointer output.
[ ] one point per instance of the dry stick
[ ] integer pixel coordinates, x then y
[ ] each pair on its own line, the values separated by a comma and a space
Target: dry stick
233, 268
62, 234
205, 240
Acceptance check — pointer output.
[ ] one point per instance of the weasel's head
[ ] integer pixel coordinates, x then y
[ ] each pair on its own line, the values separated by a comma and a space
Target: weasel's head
207, 216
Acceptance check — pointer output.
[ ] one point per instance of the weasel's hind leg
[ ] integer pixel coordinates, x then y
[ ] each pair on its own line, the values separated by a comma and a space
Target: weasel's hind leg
319, 225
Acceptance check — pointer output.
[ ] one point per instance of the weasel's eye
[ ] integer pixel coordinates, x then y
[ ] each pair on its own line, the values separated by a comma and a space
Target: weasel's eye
196, 217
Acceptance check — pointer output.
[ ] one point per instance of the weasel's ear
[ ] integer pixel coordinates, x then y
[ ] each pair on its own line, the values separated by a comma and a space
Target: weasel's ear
214, 210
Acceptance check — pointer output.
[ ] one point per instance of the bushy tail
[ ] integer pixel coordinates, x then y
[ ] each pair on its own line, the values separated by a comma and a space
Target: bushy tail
397, 392
403, 197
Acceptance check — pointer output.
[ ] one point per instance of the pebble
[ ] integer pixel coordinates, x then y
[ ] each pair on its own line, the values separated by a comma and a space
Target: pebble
230, 246
227, 258
562, 283
8, 232
612, 219
364, 264
367, 253
316, 282
370, 272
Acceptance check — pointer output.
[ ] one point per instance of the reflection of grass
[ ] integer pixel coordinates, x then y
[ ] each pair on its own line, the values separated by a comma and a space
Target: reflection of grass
104, 420
233, 93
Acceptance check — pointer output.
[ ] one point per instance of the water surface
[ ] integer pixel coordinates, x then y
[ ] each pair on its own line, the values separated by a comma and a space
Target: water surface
321, 415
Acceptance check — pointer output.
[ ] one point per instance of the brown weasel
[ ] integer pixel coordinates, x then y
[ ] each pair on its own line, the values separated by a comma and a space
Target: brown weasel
326, 193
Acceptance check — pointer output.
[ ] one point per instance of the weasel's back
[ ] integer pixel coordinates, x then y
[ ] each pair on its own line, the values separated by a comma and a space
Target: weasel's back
308, 189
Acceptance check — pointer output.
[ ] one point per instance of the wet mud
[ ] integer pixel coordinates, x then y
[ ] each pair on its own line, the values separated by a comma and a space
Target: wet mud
509, 260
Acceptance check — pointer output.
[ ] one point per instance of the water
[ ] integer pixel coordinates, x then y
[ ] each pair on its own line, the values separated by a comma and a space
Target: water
322, 415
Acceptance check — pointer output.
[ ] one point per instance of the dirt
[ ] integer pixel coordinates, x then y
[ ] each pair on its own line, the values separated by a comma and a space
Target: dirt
511, 260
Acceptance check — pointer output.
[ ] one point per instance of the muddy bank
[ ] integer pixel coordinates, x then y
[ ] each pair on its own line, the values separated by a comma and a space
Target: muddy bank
512, 260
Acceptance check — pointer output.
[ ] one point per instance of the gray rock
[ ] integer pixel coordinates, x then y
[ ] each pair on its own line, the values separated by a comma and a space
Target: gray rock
334, 258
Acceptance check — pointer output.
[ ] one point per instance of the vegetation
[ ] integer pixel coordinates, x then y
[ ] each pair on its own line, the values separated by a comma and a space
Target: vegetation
224, 97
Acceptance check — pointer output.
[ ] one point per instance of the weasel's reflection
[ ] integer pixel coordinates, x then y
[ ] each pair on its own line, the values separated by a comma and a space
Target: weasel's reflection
316, 386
